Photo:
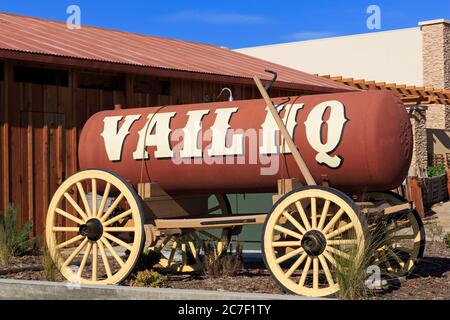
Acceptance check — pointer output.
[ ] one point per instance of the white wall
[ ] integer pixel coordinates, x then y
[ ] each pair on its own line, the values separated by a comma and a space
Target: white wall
389, 56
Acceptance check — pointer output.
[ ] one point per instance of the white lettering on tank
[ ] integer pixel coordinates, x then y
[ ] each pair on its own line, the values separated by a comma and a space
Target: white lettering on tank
270, 129
219, 135
114, 138
314, 127
160, 124
191, 133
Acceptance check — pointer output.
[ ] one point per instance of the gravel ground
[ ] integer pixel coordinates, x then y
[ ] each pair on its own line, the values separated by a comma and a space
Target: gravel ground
430, 280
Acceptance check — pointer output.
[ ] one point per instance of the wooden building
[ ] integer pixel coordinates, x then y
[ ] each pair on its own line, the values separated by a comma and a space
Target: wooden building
52, 79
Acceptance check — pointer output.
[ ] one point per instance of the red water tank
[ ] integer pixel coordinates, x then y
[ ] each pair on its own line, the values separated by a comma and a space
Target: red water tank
357, 141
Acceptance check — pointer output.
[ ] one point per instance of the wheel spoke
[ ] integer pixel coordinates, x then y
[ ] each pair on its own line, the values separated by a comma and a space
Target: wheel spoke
324, 214
305, 272
289, 255
173, 251
330, 258
118, 241
112, 207
84, 261
105, 259
288, 232
117, 218
94, 198
75, 252
396, 257
326, 269
338, 252
183, 253
294, 222
279, 244
194, 251
342, 242
163, 243
403, 237
113, 252
65, 229
342, 229
87, 207
315, 273
69, 216
296, 265
333, 221
213, 209
104, 199
94, 261
302, 214
314, 213
76, 206
69, 242
209, 235
119, 229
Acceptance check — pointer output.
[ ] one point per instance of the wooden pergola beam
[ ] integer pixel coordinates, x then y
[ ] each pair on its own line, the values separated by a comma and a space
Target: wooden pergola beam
408, 94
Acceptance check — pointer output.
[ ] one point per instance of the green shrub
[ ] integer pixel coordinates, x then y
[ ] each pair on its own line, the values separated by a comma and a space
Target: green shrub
447, 240
149, 278
14, 241
434, 171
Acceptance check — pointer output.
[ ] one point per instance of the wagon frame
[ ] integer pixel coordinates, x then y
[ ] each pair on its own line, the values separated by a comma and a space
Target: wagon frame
305, 235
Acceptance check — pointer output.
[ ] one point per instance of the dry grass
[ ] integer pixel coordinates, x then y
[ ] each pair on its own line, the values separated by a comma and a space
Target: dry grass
352, 273
228, 263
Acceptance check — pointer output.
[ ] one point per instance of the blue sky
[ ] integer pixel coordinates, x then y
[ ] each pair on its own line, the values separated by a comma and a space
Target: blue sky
237, 24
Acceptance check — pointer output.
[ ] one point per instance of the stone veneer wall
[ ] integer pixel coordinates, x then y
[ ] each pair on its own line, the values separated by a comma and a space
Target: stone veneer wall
419, 160
436, 68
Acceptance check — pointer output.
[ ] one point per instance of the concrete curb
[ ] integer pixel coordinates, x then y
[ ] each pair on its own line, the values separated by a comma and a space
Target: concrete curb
40, 290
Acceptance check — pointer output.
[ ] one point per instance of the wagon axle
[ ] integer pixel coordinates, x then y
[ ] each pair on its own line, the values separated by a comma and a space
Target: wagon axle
93, 229
314, 243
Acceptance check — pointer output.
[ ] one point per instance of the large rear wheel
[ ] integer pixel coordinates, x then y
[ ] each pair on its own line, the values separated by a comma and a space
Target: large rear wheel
94, 228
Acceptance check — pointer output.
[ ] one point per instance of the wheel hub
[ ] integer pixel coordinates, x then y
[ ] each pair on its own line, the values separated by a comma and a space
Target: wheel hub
93, 230
314, 243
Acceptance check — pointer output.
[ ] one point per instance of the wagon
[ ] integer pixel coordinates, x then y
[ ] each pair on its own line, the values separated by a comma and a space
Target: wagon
332, 198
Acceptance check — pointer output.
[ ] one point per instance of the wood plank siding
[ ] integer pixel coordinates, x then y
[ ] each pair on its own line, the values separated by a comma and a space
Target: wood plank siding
44, 107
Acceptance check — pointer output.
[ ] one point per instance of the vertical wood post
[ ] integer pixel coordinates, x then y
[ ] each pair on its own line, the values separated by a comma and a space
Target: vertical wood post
416, 195
7, 78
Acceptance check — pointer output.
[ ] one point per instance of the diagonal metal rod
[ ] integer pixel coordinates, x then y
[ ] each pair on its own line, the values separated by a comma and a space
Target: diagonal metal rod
287, 137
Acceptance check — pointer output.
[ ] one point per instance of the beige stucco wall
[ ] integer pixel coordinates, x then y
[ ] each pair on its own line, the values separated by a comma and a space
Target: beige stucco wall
389, 56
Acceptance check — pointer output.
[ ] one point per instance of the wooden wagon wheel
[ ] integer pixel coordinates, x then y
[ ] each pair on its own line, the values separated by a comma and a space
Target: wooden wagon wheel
313, 225
95, 242
189, 246
404, 238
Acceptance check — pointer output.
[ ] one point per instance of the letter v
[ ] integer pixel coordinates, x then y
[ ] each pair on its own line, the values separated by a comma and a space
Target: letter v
114, 139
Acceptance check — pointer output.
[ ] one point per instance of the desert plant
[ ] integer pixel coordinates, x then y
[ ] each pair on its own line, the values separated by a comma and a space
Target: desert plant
434, 171
14, 241
228, 263
435, 230
447, 240
351, 270
50, 269
149, 278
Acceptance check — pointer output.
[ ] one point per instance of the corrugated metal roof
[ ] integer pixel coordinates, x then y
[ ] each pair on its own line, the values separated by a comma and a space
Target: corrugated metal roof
47, 37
